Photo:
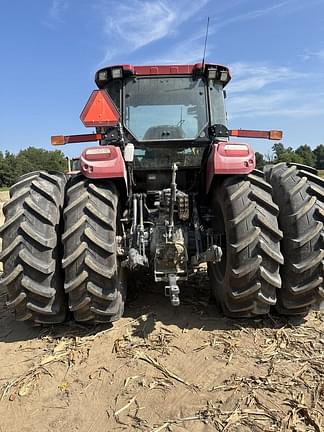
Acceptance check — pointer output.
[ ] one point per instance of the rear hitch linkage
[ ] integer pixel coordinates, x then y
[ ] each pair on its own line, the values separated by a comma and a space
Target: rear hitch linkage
172, 290
137, 254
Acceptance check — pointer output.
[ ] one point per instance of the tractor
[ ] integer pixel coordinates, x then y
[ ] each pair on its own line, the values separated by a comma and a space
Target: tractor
166, 191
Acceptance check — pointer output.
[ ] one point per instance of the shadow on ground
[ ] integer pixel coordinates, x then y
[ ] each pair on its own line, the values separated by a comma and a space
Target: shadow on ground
146, 306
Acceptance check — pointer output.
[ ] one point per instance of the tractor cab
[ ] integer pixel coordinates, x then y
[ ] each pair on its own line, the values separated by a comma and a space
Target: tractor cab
166, 111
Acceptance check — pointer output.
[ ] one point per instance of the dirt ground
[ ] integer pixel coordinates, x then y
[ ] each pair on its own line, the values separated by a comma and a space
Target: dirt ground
163, 369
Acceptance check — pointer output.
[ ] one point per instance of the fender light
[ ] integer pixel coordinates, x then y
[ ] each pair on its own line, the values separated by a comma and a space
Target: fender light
99, 150
99, 153
238, 147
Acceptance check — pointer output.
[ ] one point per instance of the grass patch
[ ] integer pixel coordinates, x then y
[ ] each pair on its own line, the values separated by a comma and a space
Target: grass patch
4, 189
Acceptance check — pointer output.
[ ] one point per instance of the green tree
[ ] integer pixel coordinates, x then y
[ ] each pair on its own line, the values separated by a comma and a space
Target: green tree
260, 162
32, 159
8, 169
278, 149
283, 154
319, 156
305, 152
2, 184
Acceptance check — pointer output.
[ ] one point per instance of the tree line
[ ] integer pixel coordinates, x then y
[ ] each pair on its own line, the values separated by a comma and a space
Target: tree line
303, 155
13, 165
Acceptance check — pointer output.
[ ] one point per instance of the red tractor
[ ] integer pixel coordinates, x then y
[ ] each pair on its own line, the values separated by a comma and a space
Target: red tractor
165, 191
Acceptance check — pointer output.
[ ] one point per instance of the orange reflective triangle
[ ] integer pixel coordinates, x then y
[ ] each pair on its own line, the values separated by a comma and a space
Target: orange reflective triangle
100, 110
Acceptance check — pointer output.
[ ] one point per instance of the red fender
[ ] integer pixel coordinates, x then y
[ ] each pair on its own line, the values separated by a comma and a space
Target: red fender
229, 157
103, 162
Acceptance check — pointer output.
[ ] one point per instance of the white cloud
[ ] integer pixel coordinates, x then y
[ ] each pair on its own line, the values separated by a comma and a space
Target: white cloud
134, 24
256, 107
258, 89
275, 103
285, 7
256, 76
57, 9
256, 104
140, 23
250, 15
56, 13
189, 50
261, 90
318, 55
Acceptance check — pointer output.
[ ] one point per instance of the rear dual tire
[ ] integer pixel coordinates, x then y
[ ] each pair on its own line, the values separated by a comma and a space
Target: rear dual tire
31, 249
245, 282
299, 193
94, 279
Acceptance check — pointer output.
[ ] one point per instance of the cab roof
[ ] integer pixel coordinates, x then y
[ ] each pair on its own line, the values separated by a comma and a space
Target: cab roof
218, 72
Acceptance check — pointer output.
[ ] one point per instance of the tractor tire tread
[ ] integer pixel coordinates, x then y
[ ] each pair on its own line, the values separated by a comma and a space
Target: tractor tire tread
31, 251
92, 283
299, 194
252, 277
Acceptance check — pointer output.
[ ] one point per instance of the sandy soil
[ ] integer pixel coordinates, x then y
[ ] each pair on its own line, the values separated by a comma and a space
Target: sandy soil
4, 196
163, 369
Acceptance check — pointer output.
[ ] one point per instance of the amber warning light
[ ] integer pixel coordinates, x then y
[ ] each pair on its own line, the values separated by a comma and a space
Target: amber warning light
57, 140
245, 133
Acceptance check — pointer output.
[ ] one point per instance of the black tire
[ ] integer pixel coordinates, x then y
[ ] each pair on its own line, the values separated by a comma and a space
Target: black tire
31, 248
299, 193
244, 283
94, 279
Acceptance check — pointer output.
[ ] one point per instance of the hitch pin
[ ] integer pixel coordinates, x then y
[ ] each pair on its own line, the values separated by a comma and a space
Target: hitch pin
172, 290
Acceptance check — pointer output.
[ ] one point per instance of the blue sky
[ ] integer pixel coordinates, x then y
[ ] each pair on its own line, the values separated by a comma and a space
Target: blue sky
50, 50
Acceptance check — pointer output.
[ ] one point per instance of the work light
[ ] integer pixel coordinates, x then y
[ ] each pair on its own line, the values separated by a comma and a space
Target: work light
103, 75
212, 73
116, 72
